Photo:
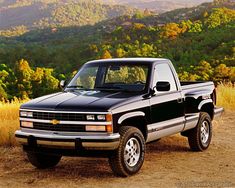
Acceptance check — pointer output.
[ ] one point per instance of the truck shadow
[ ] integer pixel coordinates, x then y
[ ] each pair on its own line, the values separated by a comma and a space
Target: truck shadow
98, 168
175, 143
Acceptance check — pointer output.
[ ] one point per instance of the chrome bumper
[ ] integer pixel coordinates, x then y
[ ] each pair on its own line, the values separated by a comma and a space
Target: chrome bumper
64, 140
218, 112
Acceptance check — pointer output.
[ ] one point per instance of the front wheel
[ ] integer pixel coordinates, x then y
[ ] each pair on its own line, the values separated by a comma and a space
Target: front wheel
43, 161
199, 138
129, 157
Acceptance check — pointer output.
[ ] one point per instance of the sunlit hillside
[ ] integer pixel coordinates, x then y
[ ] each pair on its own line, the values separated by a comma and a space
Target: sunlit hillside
201, 48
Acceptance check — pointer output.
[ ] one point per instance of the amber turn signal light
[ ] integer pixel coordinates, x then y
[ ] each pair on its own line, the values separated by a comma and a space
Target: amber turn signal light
109, 128
109, 117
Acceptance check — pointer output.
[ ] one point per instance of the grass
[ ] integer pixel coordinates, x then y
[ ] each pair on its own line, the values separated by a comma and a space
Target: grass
9, 112
9, 121
226, 96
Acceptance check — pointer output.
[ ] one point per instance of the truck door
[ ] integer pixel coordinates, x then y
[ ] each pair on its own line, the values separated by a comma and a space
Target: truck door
167, 107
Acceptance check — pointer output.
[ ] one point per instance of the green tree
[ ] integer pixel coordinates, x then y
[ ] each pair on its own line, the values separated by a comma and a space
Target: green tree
120, 52
49, 82
222, 72
196, 27
138, 26
171, 31
3, 93
106, 55
220, 16
24, 74
139, 14
204, 70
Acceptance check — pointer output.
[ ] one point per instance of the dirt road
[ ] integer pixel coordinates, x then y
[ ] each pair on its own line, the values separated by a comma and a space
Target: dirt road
168, 163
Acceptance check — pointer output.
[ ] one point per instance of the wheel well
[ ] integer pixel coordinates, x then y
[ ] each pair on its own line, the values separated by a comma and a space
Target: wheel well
209, 108
139, 122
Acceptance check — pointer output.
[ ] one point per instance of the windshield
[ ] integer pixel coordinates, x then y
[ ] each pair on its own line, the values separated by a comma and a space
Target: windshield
110, 77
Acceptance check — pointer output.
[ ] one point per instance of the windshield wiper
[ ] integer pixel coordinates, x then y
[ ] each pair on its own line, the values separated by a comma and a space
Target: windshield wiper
113, 88
108, 88
75, 86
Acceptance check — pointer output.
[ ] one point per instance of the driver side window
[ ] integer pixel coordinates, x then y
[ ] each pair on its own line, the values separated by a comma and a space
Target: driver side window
162, 72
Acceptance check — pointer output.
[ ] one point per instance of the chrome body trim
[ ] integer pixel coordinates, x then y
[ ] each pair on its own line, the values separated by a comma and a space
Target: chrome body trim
63, 133
72, 112
218, 112
191, 121
130, 115
59, 135
165, 128
204, 102
68, 122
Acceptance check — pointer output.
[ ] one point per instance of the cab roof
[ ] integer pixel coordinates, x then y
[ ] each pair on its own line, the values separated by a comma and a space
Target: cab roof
147, 60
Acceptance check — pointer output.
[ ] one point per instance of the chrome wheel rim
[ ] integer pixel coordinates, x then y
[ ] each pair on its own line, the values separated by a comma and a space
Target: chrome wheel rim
205, 131
132, 152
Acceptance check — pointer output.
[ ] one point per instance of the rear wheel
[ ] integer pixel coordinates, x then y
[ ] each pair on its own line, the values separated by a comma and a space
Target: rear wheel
199, 138
43, 161
129, 157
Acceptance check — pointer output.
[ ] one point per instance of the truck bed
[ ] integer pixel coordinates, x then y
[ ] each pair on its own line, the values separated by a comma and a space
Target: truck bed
190, 85
197, 89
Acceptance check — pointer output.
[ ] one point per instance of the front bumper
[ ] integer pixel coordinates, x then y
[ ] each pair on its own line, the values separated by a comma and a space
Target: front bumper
63, 140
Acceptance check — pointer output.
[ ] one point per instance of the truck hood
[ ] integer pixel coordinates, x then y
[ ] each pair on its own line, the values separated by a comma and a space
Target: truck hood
79, 101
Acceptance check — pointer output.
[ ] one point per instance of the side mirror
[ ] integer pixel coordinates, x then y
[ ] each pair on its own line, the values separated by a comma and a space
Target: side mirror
163, 86
63, 84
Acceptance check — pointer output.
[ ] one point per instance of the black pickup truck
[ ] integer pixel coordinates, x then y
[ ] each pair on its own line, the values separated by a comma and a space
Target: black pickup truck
112, 108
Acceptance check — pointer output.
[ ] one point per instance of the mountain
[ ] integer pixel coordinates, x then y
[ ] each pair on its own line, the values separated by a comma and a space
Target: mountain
56, 13
32, 14
158, 5
177, 15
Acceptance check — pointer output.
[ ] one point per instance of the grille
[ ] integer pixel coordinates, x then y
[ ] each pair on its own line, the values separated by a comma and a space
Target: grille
59, 127
59, 116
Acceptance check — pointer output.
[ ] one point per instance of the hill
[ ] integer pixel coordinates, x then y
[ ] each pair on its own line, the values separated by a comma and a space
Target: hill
25, 15
177, 15
159, 6
51, 13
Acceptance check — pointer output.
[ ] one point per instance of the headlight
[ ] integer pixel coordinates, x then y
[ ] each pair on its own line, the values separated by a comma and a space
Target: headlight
101, 117
26, 114
27, 124
90, 117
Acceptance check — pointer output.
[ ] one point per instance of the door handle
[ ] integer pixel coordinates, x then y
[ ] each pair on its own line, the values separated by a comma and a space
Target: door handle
180, 100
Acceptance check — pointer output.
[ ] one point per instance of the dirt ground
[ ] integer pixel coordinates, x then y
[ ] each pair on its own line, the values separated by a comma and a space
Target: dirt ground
168, 163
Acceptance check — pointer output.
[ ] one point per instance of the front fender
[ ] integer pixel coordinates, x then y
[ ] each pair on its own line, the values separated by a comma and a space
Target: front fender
130, 115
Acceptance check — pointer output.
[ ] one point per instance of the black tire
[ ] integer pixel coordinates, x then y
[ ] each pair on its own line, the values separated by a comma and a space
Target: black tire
121, 166
199, 138
43, 161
